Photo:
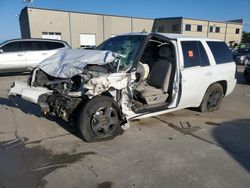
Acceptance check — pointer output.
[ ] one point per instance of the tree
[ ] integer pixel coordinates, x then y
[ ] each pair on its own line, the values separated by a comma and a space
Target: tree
245, 37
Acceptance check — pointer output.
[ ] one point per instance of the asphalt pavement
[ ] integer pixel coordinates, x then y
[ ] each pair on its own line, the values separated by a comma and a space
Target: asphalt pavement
180, 149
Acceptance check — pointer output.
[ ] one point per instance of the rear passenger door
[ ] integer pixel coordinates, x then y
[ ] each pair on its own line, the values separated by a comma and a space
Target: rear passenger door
37, 51
224, 67
33, 53
195, 72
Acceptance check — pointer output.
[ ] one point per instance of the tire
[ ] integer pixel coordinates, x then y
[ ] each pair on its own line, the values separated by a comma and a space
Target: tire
212, 99
247, 75
99, 119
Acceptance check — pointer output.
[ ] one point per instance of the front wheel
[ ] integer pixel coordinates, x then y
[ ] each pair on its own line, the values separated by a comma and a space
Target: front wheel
212, 99
99, 119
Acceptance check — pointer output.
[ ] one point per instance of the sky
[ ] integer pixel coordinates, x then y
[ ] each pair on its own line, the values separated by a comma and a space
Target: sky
220, 10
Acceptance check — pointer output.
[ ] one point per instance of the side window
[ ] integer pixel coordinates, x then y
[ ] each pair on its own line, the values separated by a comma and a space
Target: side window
12, 47
187, 27
190, 53
194, 54
54, 45
204, 61
217, 29
211, 28
30, 46
199, 28
220, 51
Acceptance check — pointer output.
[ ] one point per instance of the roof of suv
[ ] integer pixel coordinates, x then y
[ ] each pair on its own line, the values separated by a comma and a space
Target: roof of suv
174, 36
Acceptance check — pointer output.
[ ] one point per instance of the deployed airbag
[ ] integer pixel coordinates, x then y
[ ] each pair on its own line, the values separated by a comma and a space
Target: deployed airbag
67, 63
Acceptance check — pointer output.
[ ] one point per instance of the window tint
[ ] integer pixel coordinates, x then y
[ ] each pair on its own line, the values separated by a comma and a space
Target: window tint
211, 28
217, 29
243, 50
194, 54
188, 27
199, 28
40, 45
51, 45
190, 53
12, 47
220, 51
203, 55
30, 46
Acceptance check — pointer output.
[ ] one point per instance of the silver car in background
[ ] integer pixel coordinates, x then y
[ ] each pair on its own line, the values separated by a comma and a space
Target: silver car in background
20, 55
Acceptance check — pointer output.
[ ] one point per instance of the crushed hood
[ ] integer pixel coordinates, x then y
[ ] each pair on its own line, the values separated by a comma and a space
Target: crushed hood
67, 63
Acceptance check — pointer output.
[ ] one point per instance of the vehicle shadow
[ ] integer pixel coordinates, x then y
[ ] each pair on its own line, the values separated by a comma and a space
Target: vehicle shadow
32, 109
234, 137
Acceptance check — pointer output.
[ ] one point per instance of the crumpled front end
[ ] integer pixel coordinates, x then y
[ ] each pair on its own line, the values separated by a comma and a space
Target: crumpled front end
62, 96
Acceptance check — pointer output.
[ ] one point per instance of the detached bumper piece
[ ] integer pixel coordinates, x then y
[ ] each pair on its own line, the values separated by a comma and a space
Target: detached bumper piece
27, 92
52, 103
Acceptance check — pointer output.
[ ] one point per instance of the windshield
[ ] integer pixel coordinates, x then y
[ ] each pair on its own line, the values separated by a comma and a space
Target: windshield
126, 46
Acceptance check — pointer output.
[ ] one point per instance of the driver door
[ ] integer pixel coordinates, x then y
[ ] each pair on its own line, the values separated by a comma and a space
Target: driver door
12, 58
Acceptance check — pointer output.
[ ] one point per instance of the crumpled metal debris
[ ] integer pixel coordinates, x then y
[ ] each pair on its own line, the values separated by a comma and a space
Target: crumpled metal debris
67, 63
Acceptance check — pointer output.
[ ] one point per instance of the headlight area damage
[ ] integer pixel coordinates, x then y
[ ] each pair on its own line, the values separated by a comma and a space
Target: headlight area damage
72, 77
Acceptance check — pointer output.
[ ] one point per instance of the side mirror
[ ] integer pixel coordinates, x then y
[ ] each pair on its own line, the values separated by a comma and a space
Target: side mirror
1, 51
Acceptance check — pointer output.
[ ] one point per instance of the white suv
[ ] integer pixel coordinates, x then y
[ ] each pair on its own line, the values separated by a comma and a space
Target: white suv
20, 55
131, 76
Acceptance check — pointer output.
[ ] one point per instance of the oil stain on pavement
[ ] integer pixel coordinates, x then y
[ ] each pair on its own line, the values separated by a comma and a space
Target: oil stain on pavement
25, 167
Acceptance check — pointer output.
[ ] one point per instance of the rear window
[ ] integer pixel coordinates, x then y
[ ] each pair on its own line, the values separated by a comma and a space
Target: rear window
220, 51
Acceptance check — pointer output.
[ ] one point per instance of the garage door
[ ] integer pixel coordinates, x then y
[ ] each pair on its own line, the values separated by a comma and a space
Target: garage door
52, 35
87, 40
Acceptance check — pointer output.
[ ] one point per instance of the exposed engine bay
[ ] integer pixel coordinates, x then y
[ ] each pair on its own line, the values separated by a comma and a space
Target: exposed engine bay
67, 93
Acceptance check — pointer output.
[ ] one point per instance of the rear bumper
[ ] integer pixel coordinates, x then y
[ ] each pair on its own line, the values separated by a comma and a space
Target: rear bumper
27, 92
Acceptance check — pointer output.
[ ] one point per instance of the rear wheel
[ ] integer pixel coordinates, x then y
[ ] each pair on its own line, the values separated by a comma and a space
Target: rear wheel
99, 119
212, 99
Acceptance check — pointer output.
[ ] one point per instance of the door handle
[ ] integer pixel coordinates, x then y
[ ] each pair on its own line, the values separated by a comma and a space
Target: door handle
208, 74
19, 55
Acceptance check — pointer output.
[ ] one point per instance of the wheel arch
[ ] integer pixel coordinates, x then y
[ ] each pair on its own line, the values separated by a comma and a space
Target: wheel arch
223, 84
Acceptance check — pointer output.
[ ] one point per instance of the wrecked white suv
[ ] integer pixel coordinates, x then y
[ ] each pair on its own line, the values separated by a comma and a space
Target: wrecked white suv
130, 76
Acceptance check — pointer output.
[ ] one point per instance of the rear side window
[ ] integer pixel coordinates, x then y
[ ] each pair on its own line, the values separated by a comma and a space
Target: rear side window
194, 54
220, 51
30, 46
203, 55
53, 45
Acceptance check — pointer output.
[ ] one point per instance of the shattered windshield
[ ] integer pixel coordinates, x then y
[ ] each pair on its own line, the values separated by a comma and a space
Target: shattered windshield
126, 46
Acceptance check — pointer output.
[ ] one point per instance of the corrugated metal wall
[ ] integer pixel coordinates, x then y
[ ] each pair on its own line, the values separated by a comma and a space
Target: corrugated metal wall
72, 24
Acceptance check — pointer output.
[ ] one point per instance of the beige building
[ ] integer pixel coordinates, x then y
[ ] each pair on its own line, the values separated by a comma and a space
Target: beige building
77, 28
227, 31
86, 30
